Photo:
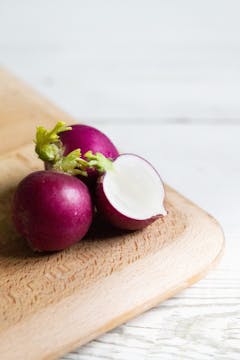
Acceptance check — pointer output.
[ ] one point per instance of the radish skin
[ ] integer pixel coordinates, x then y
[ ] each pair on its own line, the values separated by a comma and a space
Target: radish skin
88, 138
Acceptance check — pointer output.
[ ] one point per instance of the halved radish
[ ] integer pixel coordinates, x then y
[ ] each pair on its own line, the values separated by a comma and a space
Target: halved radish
130, 194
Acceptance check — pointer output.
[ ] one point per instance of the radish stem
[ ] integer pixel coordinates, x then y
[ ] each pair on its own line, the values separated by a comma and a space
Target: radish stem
48, 145
98, 161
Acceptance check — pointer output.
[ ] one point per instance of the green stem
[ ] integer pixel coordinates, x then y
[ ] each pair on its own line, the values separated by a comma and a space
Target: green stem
72, 164
48, 145
98, 161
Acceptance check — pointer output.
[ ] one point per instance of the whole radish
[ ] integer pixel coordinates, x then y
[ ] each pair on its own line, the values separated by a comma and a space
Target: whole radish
52, 210
63, 149
130, 194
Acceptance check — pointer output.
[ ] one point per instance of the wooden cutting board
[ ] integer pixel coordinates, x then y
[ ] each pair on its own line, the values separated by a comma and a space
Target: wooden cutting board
50, 304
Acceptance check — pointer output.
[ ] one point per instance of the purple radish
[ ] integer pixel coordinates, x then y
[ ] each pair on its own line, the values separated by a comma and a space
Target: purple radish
130, 194
52, 210
63, 149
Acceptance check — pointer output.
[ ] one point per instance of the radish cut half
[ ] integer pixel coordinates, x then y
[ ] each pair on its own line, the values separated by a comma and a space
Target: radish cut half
131, 194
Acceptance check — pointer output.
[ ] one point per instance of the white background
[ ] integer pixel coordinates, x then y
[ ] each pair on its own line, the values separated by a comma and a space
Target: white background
162, 78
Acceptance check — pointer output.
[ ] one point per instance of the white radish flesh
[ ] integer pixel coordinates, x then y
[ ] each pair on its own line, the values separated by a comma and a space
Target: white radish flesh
133, 191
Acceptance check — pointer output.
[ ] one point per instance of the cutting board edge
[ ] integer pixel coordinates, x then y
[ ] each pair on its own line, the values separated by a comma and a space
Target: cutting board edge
136, 310
120, 320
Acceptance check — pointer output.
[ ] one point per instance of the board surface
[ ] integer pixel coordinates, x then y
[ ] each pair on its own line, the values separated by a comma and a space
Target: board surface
65, 299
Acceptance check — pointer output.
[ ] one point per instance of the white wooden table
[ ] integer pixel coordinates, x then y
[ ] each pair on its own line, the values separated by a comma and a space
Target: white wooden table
162, 78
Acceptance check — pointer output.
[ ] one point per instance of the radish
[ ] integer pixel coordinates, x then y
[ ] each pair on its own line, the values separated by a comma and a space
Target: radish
52, 210
63, 148
130, 194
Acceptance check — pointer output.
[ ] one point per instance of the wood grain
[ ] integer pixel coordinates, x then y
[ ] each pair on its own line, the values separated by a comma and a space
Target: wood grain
67, 298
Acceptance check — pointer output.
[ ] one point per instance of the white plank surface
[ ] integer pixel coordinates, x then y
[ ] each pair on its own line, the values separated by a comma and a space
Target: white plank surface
146, 59
162, 78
